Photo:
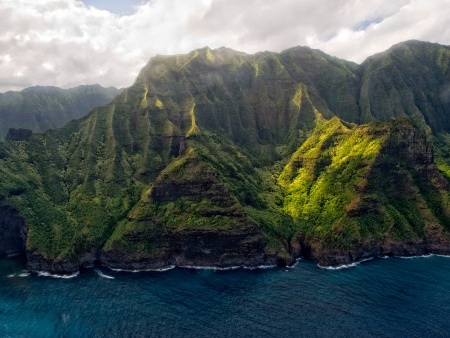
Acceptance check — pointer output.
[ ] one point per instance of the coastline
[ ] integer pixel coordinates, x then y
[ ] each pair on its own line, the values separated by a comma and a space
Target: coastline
353, 264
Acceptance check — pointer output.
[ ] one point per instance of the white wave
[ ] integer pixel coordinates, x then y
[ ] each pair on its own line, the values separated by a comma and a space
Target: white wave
263, 267
23, 274
414, 257
423, 256
345, 266
297, 261
234, 267
13, 255
122, 270
165, 268
101, 274
339, 267
211, 267
48, 274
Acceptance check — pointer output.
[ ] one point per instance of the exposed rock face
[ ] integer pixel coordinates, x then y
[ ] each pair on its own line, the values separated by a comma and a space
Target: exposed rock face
195, 184
13, 232
191, 237
195, 248
413, 247
17, 134
37, 262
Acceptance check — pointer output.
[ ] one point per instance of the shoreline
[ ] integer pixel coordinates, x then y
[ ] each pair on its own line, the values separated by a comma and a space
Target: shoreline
26, 273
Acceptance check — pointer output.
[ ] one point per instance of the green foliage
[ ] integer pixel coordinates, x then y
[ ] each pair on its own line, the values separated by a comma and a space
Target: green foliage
270, 138
346, 185
323, 176
441, 142
236, 170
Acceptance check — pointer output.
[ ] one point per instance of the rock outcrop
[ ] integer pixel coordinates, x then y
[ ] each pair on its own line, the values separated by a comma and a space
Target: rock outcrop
188, 218
18, 134
13, 232
38, 262
202, 248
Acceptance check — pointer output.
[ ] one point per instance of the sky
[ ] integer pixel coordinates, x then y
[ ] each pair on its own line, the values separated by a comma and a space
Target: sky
66, 43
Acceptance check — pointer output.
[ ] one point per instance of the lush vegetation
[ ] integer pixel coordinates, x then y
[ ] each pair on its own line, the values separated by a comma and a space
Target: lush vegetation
217, 140
348, 184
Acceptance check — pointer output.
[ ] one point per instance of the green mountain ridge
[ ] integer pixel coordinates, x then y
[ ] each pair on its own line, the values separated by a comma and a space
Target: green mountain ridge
40, 108
220, 158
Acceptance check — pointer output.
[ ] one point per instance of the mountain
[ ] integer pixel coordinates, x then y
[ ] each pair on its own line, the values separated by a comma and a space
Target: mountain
220, 158
41, 108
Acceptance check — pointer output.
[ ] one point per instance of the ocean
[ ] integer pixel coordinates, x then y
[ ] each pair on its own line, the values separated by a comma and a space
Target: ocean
392, 297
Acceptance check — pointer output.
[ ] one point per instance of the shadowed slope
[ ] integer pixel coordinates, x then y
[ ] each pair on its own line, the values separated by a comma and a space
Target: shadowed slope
42, 108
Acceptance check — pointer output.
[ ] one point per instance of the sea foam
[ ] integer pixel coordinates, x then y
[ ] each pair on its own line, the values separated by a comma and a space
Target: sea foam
48, 274
297, 261
345, 266
234, 267
414, 257
165, 268
211, 267
262, 267
101, 274
21, 275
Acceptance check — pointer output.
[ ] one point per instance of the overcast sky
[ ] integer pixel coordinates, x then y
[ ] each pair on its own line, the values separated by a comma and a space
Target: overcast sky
66, 43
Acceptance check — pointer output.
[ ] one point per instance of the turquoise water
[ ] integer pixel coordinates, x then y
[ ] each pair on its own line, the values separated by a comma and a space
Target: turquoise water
385, 297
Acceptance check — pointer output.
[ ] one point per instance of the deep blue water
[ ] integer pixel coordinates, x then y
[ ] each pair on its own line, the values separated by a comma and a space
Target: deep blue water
385, 297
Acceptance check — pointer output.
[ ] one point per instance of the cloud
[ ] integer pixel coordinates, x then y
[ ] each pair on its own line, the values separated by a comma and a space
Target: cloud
66, 43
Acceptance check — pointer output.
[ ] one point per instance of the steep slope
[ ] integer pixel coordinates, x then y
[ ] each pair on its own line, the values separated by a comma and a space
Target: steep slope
42, 108
221, 158
255, 99
410, 79
91, 173
188, 217
358, 192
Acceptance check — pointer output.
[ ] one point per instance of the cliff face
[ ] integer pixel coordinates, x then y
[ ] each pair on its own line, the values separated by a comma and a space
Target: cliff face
13, 232
193, 247
221, 158
410, 79
187, 218
17, 134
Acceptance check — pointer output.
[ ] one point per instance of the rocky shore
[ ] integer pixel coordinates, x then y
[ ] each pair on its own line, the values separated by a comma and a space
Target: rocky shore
203, 257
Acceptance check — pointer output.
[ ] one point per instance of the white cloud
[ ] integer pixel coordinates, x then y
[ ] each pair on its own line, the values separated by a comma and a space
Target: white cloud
65, 43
